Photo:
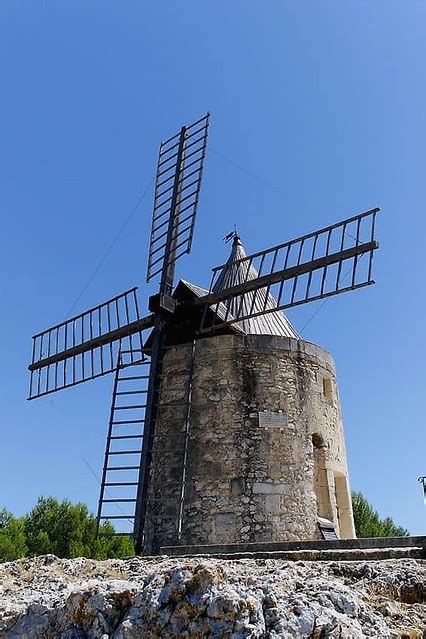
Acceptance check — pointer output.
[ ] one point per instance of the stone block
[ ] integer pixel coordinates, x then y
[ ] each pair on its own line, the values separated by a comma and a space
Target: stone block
225, 519
264, 488
238, 486
273, 504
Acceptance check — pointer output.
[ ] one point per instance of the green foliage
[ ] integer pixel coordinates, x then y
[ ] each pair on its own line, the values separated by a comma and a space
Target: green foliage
69, 530
368, 522
62, 529
12, 537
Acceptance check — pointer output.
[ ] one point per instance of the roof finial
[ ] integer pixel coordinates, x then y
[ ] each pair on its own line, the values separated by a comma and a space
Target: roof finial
233, 235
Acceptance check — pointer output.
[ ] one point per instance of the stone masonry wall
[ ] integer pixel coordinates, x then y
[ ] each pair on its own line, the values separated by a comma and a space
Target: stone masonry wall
260, 406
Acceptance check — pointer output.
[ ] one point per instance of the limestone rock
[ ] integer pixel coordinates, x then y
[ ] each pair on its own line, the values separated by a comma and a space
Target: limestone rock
46, 598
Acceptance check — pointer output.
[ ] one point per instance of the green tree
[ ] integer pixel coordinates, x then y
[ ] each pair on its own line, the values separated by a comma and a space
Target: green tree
368, 522
69, 530
12, 537
62, 529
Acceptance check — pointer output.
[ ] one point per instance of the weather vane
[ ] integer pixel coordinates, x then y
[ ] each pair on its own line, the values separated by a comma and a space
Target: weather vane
230, 236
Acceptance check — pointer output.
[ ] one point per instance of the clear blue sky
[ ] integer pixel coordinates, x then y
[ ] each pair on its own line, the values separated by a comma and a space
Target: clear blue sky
324, 101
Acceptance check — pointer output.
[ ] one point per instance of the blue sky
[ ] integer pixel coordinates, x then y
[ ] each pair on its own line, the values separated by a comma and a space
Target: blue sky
322, 104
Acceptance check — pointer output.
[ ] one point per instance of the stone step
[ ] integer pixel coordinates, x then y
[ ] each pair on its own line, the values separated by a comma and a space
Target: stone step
372, 548
373, 554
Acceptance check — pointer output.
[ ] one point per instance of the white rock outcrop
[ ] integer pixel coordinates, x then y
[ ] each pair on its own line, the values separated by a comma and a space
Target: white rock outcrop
47, 597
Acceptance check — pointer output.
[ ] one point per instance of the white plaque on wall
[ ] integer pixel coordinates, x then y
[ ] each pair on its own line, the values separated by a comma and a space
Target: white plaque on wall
269, 419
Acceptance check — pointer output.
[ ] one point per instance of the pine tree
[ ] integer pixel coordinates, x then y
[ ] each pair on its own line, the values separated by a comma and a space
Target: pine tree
62, 529
12, 537
368, 522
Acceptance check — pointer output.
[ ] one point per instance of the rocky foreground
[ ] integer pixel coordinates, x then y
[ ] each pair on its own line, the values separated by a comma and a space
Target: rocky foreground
247, 598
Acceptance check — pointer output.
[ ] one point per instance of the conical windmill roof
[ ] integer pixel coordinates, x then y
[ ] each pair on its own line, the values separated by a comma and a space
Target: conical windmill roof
235, 272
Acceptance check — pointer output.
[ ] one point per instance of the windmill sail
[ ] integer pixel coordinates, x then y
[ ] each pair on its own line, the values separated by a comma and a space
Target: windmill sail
327, 262
86, 346
422, 480
177, 190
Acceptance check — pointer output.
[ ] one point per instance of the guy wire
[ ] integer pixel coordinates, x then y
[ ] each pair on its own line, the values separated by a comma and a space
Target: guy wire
110, 247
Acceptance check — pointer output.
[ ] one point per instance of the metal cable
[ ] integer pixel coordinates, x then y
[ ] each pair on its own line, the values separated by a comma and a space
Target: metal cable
247, 172
321, 306
110, 247
106, 490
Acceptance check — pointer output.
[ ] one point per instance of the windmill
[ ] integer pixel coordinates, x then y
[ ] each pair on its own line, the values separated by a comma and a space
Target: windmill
114, 337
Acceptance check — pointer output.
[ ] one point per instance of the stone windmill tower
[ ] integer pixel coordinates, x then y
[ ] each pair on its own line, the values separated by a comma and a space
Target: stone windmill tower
225, 426
265, 450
